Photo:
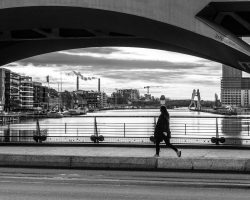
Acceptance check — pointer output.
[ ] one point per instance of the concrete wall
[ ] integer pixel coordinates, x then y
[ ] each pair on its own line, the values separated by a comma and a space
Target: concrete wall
128, 163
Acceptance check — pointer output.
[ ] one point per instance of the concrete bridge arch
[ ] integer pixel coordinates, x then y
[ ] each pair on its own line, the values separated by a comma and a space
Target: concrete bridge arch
33, 27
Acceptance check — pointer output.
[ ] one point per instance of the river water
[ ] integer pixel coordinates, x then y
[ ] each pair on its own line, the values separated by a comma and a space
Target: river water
134, 123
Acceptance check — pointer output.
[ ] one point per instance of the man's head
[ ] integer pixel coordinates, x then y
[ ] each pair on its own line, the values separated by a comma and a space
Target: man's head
163, 109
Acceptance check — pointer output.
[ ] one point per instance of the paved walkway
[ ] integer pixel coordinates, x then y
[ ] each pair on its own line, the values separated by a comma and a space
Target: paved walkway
125, 158
124, 152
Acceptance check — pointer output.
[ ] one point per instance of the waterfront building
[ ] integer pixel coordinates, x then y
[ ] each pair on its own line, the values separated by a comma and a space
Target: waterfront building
103, 100
40, 94
2, 89
79, 99
130, 94
9, 90
26, 92
124, 96
235, 89
21, 93
91, 99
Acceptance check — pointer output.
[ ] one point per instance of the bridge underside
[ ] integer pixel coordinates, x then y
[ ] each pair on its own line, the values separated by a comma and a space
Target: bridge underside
232, 16
30, 31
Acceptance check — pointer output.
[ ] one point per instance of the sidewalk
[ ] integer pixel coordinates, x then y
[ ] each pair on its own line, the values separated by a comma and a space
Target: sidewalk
125, 158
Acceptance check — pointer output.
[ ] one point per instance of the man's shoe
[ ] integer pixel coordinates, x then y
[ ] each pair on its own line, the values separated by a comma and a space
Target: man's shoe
156, 155
179, 153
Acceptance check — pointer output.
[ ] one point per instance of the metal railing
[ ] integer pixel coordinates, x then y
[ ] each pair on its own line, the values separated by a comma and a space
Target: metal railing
134, 129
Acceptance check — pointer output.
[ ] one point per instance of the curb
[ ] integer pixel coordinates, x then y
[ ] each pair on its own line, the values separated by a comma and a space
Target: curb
126, 163
121, 145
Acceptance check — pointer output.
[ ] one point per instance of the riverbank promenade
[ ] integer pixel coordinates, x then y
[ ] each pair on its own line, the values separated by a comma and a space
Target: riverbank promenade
126, 158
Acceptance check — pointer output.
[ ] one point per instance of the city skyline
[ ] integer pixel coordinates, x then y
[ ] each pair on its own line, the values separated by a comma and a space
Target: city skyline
122, 67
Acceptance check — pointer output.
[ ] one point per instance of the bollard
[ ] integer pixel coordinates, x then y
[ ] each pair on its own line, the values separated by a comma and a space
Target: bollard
65, 128
185, 129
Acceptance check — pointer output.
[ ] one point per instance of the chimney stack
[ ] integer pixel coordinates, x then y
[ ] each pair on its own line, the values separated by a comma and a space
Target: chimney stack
99, 85
77, 83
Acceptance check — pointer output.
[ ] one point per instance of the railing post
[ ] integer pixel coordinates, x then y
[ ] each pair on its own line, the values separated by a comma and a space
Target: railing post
153, 139
185, 129
248, 128
65, 128
217, 132
124, 130
96, 131
38, 131
7, 136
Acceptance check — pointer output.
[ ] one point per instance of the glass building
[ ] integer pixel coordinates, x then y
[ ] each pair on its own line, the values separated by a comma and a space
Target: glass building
235, 89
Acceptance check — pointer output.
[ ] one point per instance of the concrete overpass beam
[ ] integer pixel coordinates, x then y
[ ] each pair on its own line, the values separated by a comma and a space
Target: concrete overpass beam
51, 33
5, 35
239, 19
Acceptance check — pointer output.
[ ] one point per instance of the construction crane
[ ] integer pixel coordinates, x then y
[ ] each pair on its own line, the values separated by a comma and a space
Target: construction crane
147, 87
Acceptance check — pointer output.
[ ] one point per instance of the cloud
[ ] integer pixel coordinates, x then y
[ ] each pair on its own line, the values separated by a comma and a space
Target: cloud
125, 67
73, 62
96, 50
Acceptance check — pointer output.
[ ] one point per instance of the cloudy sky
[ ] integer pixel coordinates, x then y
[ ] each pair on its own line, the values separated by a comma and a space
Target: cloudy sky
172, 74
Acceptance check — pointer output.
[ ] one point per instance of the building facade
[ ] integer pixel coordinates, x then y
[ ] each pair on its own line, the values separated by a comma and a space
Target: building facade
92, 99
235, 90
103, 100
127, 95
131, 94
2, 88
9, 90
26, 92
40, 94
20, 92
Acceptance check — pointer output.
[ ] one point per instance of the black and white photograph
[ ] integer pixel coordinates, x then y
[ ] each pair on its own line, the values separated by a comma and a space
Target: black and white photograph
124, 99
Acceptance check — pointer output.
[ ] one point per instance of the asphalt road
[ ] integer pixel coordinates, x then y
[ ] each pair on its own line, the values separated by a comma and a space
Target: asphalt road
113, 185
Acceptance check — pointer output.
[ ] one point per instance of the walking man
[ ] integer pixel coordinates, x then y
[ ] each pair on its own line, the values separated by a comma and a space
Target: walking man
162, 132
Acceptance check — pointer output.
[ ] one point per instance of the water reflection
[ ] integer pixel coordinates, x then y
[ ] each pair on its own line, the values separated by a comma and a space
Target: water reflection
232, 130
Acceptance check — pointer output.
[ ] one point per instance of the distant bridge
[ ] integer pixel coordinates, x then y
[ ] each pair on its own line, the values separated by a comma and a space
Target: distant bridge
204, 28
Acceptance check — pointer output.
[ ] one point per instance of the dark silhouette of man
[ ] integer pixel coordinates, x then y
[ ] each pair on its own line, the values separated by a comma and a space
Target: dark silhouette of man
162, 132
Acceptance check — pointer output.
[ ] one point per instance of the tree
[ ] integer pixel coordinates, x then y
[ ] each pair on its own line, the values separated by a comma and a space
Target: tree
67, 99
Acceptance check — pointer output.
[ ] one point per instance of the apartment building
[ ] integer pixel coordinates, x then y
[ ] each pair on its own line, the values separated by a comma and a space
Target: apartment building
130, 94
103, 102
9, 90
40, 94
235, 89
26, 92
